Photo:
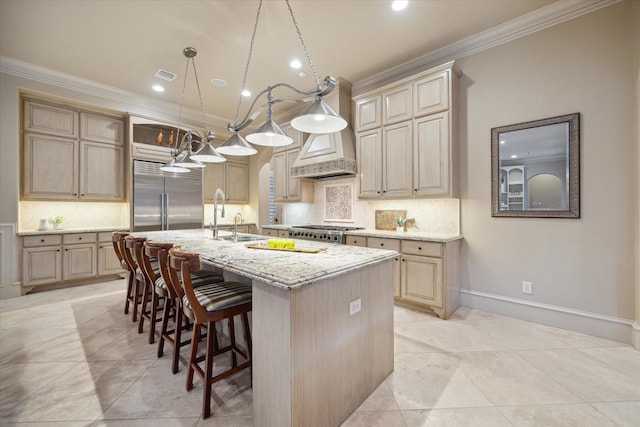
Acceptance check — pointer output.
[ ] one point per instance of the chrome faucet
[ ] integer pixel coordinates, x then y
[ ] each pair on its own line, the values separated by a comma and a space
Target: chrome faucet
235, 225
220, 193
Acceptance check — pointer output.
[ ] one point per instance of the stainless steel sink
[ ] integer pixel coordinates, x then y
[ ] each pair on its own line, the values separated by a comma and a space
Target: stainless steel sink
241, 238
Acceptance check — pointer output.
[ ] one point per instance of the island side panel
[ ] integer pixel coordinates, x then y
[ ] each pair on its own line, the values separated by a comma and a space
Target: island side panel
339, 359
271, 356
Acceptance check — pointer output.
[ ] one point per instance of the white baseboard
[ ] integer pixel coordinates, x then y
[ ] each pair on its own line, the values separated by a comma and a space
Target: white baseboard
603, 326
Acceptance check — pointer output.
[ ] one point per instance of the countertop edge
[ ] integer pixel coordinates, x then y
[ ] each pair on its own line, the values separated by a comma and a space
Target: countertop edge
422, 236
69, 231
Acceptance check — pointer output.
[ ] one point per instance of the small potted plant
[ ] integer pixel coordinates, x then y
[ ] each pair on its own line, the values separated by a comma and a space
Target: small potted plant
400, 223
57, 222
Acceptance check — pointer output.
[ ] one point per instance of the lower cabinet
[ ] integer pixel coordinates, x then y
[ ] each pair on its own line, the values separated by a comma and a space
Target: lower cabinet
54, 258
424, 272
275, 232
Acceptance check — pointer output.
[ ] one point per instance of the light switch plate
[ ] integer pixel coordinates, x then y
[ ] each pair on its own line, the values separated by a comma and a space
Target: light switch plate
355, 306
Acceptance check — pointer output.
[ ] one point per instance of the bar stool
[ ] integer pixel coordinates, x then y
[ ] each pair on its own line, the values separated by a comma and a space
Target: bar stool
139, 281
206, 305
154, 291
171, 285
117, 239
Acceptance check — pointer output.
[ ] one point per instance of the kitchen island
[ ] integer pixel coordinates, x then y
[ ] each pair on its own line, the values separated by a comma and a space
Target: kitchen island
322, 324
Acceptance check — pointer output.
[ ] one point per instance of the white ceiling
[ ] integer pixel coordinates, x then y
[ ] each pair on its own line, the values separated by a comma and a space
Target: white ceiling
122, 43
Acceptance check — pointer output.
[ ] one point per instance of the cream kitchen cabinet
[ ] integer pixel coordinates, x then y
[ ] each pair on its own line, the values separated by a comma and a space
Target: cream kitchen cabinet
41, 260
432, 176
416, 117
231, 176
385, 161
68, 154
285, 188
55, 258
425, 272
108, 262
275, 232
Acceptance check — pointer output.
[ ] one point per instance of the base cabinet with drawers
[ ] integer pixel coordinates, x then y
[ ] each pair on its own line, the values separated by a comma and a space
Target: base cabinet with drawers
425, 272
275, 231
54, 258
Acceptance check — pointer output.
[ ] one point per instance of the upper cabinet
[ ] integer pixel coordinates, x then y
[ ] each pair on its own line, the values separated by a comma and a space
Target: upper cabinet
71, 154
406, 135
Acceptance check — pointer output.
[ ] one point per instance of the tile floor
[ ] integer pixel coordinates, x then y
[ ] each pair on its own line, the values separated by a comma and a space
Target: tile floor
71, 358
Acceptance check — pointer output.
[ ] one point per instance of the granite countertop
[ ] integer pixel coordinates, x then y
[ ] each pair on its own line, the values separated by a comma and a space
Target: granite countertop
282, 269
408, 235
34, 232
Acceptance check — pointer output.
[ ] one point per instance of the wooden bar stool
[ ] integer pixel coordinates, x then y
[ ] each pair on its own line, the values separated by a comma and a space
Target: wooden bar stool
155, 291
206, 305
175, 293
130, 242
117, 238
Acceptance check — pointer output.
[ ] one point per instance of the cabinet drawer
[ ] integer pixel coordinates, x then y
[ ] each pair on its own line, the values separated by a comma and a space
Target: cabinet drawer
357, 240
105, 236
383, 243
79, 238
415, 247
43, 240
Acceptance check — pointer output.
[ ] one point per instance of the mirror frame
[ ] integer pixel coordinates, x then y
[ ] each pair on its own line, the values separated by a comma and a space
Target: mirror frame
574, 169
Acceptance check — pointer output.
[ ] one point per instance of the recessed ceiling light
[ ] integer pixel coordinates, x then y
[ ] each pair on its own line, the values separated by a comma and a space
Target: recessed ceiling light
218, 82
246, 93
157, 88
302, 74
399, 5
295, 64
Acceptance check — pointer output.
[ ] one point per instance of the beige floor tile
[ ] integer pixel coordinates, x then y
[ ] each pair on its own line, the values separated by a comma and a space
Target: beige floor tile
51, 424
623, 359
433, 380
149, 422
578, 415
463, 417
229, 421
506, 379
82, 393
447, 337
585, 375
625, 414
380, 400
404, 314
375, 419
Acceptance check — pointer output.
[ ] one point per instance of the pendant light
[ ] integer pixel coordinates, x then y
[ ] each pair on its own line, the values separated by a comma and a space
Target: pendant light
318, 117
182, 159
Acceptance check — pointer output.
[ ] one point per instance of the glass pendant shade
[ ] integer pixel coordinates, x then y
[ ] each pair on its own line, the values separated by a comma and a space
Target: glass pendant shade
170, 166
208, 154
236, 146
185, 161
318, 117
269, 134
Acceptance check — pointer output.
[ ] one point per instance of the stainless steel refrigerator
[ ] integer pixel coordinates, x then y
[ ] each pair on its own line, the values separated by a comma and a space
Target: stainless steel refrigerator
165, 200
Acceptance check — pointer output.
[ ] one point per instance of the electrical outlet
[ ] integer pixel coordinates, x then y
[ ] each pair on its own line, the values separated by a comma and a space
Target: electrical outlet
355, 306
527, 287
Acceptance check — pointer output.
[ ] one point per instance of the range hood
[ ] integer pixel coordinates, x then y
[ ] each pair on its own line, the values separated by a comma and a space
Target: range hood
329, 155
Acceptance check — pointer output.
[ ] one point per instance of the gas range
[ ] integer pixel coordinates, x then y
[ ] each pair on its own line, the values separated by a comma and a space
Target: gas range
329, 233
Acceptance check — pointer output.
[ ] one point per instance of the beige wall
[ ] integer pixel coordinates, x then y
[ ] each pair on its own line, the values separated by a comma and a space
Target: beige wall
584, 65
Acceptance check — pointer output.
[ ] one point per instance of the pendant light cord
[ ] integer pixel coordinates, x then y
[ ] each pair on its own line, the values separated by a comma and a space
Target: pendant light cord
246, 68
304, 46
195, 72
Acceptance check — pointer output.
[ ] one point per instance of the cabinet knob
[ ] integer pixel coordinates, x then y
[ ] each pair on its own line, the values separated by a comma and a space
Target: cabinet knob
42, 240
419, 248
66, 250
415, 189
79, 238
75, 194
384, 191
402, 259
57, 250
381, 244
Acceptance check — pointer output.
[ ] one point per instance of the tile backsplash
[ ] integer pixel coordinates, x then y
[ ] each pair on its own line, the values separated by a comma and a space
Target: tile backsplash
431, 215
76, 214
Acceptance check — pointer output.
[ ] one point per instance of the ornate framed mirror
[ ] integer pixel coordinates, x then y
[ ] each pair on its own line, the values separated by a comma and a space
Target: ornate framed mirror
535, 168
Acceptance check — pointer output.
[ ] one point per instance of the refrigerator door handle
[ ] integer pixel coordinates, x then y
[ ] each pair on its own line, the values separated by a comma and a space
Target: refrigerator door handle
162, 212
166, 208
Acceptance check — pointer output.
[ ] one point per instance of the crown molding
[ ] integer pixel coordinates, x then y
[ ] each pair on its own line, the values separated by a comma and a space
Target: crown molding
134, 102
555, 13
